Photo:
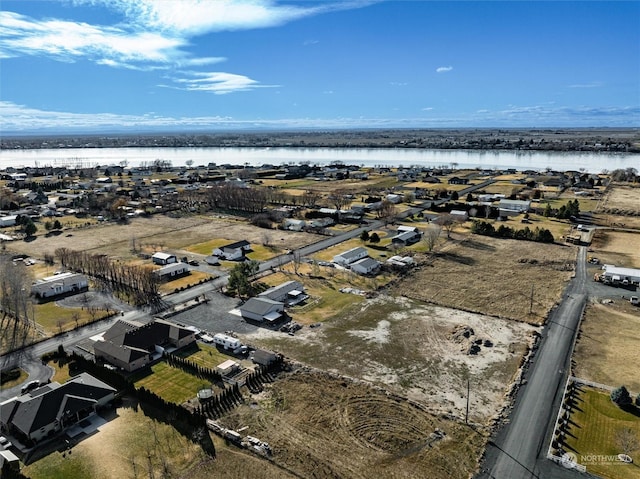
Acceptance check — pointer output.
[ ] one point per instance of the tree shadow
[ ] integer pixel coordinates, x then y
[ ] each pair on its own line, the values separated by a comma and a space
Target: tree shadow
471, 243
456, 258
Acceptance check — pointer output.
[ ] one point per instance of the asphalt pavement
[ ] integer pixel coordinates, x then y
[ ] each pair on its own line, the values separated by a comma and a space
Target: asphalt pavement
519, 449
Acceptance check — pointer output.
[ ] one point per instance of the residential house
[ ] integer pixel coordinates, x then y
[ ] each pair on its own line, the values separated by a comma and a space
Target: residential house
233, 251
8, 220
171, 271
290, 293
163, 258
59, 284
131, 345
459, 215
365, 266
293, 224
262, 309
53, 408
455, 180
349, 256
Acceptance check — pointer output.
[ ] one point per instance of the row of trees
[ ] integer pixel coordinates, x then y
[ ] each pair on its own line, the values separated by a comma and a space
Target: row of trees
539, 235
16, 309
135, 283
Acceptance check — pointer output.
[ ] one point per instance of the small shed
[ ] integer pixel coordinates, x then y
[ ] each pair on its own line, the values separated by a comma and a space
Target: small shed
163, 258
228, 367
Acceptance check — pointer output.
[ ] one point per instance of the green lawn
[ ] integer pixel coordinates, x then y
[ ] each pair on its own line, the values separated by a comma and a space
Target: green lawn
598, 423
204, 355
172, 384
53, 317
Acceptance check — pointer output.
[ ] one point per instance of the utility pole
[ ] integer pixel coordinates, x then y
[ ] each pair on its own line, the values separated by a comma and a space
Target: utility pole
466, 417
531, 301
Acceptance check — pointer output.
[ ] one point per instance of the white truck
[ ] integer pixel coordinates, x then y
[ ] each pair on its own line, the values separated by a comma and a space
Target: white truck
634, 300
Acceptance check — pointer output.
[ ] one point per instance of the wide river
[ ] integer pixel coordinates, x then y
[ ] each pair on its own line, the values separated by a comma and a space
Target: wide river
499, 159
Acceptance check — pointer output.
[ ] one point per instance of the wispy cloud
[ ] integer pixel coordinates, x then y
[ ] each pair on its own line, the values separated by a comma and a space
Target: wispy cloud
428, 108
219, 83
152, 33
444, 69
15, 118
595, 84
398, 83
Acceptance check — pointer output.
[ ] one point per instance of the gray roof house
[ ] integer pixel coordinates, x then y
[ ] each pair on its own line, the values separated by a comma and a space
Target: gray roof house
513, 207
262, 309
54, 407
131, 346
349, 256
405, 238
290, 293
170, 271
365, 266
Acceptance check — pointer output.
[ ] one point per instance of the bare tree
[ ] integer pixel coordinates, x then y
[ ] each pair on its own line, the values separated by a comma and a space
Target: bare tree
387, 212
448, 222
431, 236
76, 318
297, 260
627, 440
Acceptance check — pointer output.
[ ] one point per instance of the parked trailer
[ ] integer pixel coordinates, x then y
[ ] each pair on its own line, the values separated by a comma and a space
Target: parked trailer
227, 342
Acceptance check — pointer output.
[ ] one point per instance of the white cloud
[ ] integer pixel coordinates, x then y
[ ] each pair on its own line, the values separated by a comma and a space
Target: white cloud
444, 69
219, 83
595, 84
428, 108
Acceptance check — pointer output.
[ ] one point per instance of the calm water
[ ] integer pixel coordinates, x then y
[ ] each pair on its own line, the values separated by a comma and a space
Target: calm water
521, 160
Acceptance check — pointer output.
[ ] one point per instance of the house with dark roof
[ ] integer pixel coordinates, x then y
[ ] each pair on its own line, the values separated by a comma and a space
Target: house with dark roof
262, 309
233, 251
289, 292
54, 407
130, 345
405, 238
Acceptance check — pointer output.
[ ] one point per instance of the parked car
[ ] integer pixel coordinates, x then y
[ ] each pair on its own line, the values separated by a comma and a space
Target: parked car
5, 443
30, 386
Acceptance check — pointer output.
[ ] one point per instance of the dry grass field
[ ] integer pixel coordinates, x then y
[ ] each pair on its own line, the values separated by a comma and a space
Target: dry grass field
622, 198
608, 349
157, 232
323, 426
494, 276
414, 349
617, 247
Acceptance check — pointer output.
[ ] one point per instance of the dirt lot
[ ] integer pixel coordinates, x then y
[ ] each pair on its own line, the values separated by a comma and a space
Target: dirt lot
156, 233
617, 247
418, 350
323, 426
608, 350
623, 199
494, 276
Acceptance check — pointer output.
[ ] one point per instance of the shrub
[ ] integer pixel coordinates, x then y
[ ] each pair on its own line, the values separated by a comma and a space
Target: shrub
621, 396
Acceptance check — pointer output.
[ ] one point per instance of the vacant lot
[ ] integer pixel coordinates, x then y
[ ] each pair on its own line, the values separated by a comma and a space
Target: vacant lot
620, 198
597, 425
617, 247
512, 279
424, 352
323, 426
608, 350
158, 232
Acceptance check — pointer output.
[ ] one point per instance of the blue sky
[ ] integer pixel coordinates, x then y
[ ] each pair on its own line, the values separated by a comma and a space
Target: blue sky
108, 65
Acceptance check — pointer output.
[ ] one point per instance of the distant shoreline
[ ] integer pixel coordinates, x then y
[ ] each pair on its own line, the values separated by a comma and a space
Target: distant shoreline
610, 140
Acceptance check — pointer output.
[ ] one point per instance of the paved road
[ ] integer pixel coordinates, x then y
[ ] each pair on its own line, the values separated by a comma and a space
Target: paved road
519, 449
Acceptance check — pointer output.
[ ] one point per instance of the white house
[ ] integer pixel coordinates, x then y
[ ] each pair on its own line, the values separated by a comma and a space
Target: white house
59, 284
403, 228
365, 266
262, 309
171, 271
163, 258
393, 198
292, 224
233, 251
349, 256
290, 293
459, 215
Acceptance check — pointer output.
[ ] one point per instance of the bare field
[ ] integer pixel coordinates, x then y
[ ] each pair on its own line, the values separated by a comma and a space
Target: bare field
323, 426
157, 232
607, 351
494, 276
622, 198
617, 247
421, 351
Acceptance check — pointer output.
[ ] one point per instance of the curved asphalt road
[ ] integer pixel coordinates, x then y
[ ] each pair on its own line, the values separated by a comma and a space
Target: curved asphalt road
520, 447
